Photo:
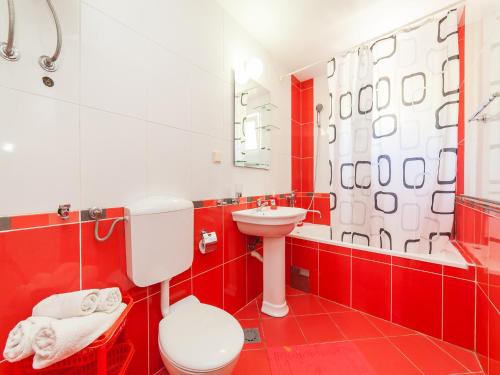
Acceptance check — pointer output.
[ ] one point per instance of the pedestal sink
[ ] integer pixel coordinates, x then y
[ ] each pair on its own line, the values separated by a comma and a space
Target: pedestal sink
273, 225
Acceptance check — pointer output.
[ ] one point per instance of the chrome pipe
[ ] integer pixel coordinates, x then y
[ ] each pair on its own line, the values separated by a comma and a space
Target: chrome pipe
7, 50
48, 63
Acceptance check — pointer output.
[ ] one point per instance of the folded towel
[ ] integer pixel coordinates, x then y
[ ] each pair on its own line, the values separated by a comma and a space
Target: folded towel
108, 299
20, 339
59, 339
67, 305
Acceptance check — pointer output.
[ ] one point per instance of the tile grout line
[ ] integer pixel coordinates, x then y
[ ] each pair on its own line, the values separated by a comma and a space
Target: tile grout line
405, 356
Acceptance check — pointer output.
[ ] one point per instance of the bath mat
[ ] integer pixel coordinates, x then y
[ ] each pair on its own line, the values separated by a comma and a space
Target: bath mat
342, 358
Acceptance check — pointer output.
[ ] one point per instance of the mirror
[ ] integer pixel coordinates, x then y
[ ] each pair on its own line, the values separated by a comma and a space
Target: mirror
253, 125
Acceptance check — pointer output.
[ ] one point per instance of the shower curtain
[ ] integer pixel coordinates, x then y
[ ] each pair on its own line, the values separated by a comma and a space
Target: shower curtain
393, 139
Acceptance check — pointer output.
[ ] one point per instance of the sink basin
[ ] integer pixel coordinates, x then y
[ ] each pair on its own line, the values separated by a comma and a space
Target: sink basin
273, 226
268, 223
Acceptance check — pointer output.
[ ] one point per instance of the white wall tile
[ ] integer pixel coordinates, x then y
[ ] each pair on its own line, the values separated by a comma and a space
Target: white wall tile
207, 103
151, 83
114, 65
169, 161
35, 35
113, 158
168, 88
39, 158
210, 180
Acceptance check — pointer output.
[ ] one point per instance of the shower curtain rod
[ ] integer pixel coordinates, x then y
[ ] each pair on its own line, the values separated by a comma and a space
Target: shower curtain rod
423, 18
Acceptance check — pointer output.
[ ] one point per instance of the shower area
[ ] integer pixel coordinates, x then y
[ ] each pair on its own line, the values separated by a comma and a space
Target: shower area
388, 142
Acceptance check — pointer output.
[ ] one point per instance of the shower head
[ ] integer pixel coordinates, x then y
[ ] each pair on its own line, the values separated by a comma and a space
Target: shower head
319, 108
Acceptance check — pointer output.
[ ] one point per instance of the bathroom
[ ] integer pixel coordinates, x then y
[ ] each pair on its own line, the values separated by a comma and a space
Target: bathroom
254, 187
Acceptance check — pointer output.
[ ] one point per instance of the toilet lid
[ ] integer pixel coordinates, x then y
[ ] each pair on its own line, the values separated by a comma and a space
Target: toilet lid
200, 337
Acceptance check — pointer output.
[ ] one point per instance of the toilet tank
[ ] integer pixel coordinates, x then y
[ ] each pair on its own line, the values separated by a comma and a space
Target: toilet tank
159, 239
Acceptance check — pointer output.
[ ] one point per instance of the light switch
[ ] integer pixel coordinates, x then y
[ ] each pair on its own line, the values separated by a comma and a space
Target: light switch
216, 157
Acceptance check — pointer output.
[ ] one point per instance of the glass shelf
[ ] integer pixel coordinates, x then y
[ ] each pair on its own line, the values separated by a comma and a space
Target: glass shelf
266, 107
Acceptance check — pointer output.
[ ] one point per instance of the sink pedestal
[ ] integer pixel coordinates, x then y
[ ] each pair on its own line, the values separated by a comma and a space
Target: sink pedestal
274, 302
273, 225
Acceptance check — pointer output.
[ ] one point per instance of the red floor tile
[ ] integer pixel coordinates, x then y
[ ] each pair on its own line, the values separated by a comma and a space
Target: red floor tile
385, 358
319, 328
333, 307
430, 359
250, 311
305, 304
252, 362
388, 328
466, 357
293, 292
355, 326
282, 331
339, 358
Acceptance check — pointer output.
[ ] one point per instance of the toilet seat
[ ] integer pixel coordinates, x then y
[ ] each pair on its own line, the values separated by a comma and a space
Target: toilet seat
200, 338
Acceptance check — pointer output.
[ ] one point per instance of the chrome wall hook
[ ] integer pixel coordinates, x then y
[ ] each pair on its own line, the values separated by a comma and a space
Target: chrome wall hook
63, 211
97, 214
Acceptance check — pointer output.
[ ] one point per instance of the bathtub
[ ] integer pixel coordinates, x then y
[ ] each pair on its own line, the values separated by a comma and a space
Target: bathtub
447, 254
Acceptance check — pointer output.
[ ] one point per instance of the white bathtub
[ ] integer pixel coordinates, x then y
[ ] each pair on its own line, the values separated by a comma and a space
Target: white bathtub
447, 254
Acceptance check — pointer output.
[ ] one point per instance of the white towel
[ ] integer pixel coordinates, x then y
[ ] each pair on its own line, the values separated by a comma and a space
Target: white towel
108, 299
60, 339
20, 339
67, 305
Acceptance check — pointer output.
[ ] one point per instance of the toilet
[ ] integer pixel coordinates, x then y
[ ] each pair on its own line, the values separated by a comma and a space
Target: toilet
193, 337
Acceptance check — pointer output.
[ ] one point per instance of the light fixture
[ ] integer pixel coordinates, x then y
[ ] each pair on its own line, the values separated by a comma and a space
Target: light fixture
8, 147
252, 69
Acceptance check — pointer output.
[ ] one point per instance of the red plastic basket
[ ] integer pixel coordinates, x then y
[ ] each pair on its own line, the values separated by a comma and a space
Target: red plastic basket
104, 356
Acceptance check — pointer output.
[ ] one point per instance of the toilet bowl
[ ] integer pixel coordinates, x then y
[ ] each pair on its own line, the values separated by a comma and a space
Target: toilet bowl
195, 338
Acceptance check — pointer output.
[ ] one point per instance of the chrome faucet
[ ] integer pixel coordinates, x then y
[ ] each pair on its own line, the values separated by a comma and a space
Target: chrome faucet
291, 199
261, 204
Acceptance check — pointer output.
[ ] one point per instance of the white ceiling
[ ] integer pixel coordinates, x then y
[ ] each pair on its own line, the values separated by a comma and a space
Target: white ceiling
300, 32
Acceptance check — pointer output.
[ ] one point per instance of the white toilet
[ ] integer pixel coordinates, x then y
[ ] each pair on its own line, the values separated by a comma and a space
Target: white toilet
194, 338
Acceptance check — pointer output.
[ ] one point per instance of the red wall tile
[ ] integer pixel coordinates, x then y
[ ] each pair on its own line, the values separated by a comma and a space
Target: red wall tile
104, 264
306, 105
135, 331
371, 287
36, 263
234, 242
416, 300
458, 312
208, 287
335, 277
208, 219
305, 257
254, 277
235, 285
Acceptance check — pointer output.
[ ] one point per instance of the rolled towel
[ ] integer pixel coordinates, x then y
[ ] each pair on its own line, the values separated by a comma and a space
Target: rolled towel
67, 305
60, 339
20, 339
108, 299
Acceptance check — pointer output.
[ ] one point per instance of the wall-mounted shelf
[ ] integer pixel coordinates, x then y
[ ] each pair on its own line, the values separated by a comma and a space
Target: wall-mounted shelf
266, 107
268, 127
484, 118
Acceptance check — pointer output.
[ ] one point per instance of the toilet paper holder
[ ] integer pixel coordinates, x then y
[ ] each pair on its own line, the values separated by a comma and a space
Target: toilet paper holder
207, 238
